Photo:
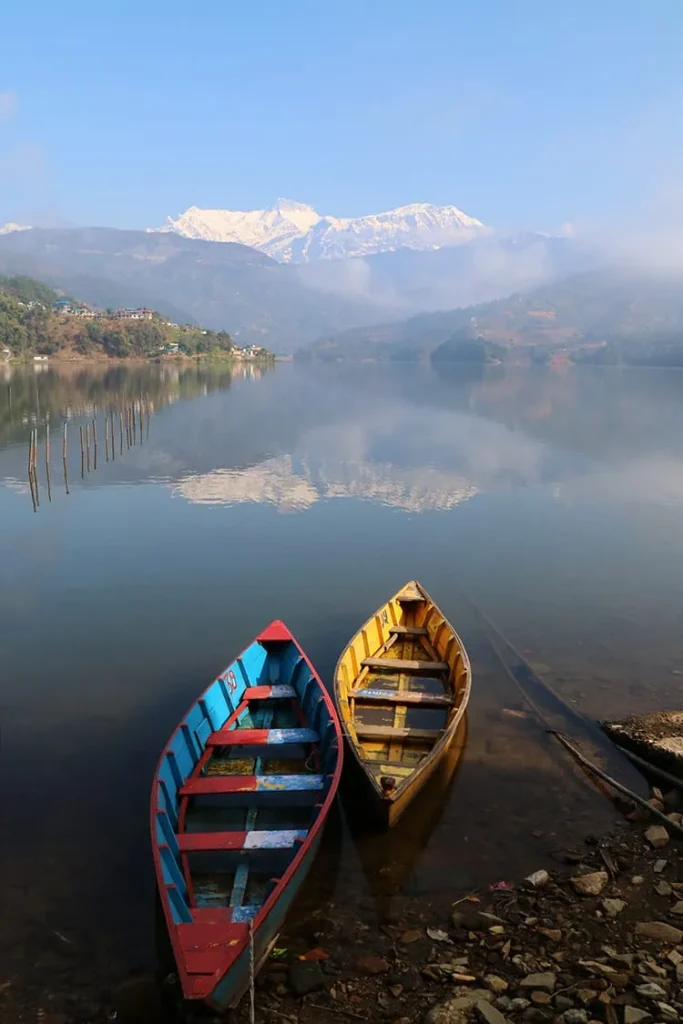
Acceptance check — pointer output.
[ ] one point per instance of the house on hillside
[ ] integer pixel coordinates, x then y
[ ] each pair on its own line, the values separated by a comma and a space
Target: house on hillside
134, 314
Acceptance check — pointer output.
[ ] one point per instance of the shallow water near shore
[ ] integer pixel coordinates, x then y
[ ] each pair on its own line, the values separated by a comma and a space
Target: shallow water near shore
309, 493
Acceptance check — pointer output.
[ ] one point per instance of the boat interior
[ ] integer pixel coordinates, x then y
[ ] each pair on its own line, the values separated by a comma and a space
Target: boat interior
400, 682
239, 788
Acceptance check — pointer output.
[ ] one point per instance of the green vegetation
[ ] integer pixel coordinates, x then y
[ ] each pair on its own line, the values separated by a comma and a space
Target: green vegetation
606, 317
30, 325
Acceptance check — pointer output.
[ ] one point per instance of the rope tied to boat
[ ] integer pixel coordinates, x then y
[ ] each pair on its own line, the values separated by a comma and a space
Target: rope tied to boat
252, 991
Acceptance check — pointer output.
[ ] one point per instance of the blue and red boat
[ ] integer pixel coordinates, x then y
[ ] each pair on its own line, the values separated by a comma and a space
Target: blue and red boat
239, 800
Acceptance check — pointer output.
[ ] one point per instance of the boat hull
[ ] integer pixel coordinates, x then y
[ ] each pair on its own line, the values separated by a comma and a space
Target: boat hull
239, 801
404, 757
229, 991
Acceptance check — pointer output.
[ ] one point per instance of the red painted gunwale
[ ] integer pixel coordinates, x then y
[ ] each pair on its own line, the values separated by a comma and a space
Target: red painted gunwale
200, 987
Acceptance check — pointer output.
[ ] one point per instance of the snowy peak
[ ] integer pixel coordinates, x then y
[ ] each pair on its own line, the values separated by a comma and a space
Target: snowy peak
9, 228
294, 232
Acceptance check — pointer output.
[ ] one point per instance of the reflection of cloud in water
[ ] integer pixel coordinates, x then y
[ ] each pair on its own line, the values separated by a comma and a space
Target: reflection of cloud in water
652, 481
277, 482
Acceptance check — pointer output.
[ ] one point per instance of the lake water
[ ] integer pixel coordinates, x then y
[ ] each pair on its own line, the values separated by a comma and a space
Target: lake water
554, 500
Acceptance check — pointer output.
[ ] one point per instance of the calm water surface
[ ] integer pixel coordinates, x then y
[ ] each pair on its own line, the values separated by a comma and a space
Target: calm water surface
553, 499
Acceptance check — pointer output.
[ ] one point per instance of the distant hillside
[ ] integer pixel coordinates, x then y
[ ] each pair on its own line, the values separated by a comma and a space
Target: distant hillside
221, 285
36, 321
603, 316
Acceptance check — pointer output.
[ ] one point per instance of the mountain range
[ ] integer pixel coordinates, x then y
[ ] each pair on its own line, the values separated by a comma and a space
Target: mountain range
293, 232
283, 306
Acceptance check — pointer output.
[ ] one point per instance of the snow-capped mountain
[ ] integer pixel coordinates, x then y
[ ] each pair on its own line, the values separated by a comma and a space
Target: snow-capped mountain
293, 232
8, 228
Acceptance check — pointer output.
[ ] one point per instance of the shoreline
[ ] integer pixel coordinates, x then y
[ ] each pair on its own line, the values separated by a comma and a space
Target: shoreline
595, 934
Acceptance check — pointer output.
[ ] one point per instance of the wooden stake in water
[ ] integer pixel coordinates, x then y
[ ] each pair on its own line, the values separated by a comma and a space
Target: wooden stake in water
140, 410
133, 423
94, 438
113, 450
80, 428
121, 430
106, 438
87, 444
64, 440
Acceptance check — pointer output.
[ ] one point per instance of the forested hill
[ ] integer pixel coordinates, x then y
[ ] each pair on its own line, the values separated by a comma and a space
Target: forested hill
606, 316
35, 320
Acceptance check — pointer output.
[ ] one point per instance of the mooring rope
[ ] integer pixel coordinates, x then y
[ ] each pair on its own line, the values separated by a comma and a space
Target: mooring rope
252, 991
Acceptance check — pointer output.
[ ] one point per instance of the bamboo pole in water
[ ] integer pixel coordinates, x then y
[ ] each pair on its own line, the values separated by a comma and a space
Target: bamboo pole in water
106, 438
132, 423
80, 429
87, 444
94, 438
121, 430
111, 421
64, 441
140, 410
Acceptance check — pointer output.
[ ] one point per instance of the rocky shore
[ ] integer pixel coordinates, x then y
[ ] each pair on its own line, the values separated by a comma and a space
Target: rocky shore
594, 935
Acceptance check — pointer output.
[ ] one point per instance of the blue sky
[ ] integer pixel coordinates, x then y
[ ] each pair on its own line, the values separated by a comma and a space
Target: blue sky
521, 113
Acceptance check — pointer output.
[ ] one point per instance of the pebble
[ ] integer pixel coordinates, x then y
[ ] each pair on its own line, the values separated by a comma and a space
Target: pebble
660, 931
637, 879
613, 907
489, 1013
554, 934
677, 908
659, 866
663, 889
651, 990
667, 1012
538, 879
657, 836
519, 1004
305, 976
563, 1003
545, 980
591, 884
497, 985
575, 1017
540, 998
633, 1015
372, 965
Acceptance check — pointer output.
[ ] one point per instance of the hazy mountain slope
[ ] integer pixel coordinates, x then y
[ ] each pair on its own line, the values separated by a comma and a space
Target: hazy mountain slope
583, 314
222, 286
294, 232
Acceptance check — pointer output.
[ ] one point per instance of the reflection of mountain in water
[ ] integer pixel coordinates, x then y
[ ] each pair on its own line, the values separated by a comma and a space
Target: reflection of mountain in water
290, 484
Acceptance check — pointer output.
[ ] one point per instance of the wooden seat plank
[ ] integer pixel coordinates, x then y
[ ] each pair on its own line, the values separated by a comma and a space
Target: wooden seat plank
260, 737
213, 842
209, 785
425, 700
278, 691
389, 732
405, 665
408, 631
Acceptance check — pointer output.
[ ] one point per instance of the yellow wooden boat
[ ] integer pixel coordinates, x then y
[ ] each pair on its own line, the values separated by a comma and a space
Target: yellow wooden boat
402, 686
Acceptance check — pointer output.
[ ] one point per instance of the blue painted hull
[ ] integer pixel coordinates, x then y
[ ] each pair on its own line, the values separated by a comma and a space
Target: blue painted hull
239, 800
233, 986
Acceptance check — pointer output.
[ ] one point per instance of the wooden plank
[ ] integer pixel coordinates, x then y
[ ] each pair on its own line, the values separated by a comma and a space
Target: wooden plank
408, 631
425, 700
260, 737
405, 665
209, 785
388, 732
205, 842
279, 691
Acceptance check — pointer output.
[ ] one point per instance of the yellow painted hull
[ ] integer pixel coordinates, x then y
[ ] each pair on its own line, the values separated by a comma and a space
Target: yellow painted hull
402, 686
